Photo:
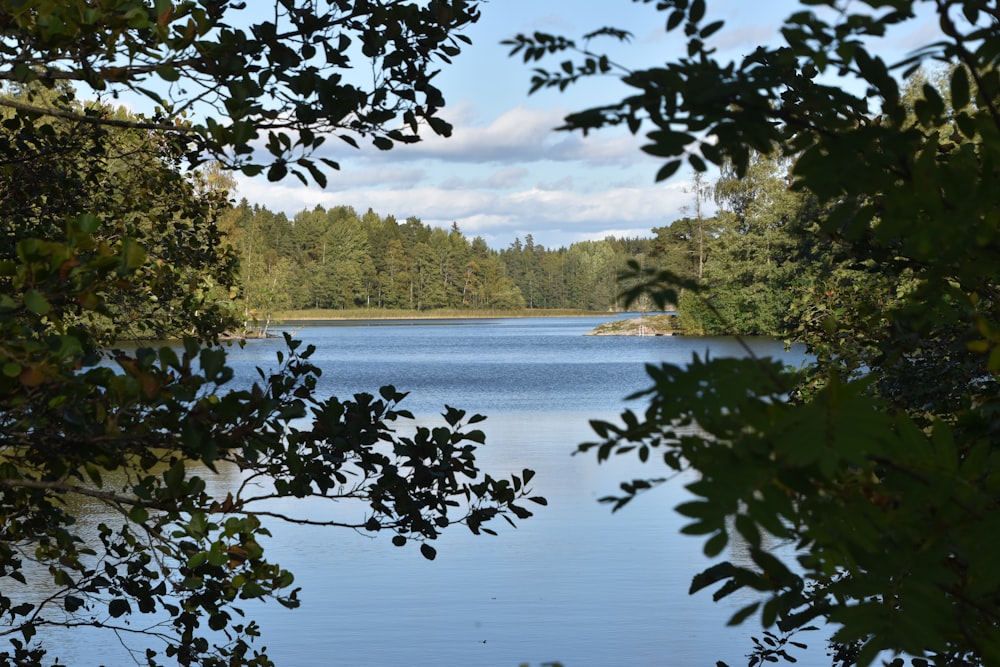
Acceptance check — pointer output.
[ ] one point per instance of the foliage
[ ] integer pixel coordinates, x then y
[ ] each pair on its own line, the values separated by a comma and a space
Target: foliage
338, 259
753, 268
106, 237
877, 468
682, 246
224, 78
128, 183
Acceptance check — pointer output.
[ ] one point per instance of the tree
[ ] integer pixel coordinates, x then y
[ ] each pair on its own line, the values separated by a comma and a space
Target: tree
139, 430
678, 247
887, 493
284, 81
129, 182
752, 272
395, 275
427, 287
699, 234
265, 277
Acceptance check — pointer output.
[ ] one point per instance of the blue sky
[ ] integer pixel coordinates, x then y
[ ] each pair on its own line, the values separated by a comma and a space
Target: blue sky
505, 173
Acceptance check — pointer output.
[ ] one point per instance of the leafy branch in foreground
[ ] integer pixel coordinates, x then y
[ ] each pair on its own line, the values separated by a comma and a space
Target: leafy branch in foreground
138, 432
107, 237
260, 91
876, 470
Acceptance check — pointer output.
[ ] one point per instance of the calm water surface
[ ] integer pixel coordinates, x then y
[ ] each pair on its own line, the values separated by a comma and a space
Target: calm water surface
573, 583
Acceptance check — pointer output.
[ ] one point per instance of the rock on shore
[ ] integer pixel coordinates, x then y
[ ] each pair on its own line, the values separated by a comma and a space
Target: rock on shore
651, 325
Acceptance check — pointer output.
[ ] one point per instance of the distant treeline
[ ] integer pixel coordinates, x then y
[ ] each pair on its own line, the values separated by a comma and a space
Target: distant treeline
337, 259
753, 267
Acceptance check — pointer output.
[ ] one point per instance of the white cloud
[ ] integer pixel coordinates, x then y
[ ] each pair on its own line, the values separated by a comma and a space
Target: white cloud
564, 183
636, 232
553, 216
517, 136
501, 179
346, 179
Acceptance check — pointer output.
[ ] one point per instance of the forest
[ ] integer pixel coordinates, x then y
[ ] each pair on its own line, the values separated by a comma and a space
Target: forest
856, 211
336, 259
745, 263
751, 252
112, 232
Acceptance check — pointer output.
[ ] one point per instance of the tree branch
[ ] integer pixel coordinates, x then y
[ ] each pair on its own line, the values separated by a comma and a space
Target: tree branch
94, 120
63, 486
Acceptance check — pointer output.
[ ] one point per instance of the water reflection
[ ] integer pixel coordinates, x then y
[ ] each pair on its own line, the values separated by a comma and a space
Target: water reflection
574, 583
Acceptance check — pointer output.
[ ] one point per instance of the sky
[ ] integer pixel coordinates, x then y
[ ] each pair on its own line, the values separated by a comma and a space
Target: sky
505, 172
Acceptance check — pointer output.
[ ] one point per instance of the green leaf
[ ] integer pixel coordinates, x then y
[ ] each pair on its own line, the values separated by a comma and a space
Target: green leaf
277, 171
94, 474
748, 530
960, 94
138, 514
88, 224
668, 170
743, 614
213, 362
675, 18
36, 302
696, 12
696, 509
716, 543
174, 476
133, 255
710, 29
22, 609
118, 607
197, 560
168, 73
712, 575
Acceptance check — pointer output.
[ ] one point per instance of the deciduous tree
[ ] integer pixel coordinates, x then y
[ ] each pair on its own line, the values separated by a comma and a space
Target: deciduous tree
259, 89
113, 219
753, 268
886, 494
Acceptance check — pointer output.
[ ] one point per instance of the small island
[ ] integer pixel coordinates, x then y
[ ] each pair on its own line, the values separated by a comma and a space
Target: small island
646, 325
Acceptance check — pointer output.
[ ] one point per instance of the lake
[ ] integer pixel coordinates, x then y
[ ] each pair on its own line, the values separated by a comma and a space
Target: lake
574, 583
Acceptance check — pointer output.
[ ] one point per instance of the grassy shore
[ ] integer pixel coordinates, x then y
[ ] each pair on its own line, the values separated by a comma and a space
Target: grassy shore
320, 315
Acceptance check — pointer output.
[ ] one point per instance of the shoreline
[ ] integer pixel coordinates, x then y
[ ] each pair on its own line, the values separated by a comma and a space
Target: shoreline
617, 323
644, 325
306, 317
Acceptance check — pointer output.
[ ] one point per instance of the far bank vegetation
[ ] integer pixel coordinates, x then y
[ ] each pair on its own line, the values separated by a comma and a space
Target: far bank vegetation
748, 259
